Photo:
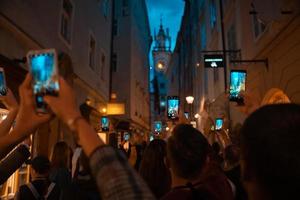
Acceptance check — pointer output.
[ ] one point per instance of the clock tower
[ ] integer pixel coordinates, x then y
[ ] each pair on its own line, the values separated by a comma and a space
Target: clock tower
162, 49
161, 54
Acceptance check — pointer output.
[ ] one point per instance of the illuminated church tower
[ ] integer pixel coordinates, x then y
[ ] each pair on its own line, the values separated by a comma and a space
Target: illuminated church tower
161, 54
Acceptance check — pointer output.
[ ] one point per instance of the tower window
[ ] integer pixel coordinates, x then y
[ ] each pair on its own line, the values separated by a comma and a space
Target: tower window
92, 52
66, 20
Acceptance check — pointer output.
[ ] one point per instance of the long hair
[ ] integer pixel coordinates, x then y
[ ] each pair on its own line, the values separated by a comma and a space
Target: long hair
61, 155
153, 169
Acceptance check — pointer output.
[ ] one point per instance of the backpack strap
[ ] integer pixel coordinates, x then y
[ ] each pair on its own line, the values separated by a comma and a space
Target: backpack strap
33, 190
50, 188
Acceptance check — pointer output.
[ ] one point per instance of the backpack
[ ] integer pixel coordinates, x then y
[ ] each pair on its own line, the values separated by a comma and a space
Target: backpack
37, 195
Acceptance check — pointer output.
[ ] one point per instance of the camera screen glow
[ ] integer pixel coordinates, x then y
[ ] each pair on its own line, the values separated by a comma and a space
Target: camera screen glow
2, 84
44, 74
219, 124
104, 123
157, 126
237, 83
173, 107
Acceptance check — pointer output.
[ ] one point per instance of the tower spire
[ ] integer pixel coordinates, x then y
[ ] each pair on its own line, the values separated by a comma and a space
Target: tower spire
161, 25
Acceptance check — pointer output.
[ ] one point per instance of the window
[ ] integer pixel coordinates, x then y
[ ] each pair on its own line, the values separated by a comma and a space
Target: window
258, 26
102, 64
92, 51
105, 8
213, 13
203, 35
125, 9
66, 20
114, 62
115, 27
231, 40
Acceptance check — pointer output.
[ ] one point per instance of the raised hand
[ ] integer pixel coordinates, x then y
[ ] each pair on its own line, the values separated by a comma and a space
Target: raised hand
64, 105
10, 101
28, 120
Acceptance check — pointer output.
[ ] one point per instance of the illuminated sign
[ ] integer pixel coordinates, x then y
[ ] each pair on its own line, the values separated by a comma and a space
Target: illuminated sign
213, 61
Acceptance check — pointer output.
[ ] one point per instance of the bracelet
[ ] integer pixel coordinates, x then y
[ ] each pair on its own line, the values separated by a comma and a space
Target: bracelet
72, 122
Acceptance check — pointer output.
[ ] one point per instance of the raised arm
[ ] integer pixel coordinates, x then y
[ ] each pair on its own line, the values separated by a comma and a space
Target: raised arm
27, 120
11, 104
115, 178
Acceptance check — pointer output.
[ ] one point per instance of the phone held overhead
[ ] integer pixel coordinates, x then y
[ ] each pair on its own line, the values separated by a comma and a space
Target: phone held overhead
104, 123
173, 107
237, 85
43, 67
219, 124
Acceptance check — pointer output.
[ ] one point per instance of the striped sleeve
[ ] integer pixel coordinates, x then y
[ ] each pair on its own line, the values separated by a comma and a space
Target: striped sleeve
115, 178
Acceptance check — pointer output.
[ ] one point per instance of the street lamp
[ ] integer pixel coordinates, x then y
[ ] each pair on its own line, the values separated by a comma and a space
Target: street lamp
190, 100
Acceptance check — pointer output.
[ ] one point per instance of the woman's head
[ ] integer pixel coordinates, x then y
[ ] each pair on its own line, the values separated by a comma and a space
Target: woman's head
153, 168
187, 151
61, 155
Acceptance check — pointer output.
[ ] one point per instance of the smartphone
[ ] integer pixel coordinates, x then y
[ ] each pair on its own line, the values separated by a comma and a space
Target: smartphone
126, 136
157, 126
104, 123
173, 107
3, 89
219, 124
237, 85
43, 67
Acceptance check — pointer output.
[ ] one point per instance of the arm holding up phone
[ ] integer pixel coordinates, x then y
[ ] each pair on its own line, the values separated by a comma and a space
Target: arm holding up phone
27, 120
115, 179
11, 104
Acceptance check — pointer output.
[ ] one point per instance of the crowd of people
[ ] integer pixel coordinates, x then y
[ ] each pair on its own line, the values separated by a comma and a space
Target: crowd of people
264, 165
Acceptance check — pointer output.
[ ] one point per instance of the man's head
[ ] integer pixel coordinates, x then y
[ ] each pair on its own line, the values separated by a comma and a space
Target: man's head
270, 144
40, 166
187, 151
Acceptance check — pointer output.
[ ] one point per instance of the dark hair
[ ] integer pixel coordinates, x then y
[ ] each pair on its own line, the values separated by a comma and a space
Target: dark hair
153, 169
40, 164
216, 147
231, 154
61, 155
270, 141
187, 150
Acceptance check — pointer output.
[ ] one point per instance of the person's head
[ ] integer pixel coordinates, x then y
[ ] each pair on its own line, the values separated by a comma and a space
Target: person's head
216, 148
40, 166
153, 168
270, 151
61, 155
231, 154
187, 151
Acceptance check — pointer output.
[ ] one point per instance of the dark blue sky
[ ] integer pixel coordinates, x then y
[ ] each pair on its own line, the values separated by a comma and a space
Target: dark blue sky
171, 11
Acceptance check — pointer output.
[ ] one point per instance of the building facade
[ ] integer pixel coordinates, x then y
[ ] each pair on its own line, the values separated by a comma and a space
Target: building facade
80, 29
263, 31
130, 66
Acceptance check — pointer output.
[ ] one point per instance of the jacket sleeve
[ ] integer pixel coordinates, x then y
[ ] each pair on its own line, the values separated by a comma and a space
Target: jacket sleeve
115, 178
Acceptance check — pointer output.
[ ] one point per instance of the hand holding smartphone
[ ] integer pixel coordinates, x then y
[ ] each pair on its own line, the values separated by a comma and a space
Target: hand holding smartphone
43, 67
